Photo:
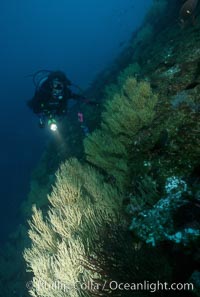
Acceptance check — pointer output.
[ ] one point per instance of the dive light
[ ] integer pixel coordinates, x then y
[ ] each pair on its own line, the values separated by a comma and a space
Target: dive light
52, 124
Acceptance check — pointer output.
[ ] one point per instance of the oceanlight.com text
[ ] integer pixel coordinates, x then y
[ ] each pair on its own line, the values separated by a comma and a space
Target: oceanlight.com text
113, 285
152, 287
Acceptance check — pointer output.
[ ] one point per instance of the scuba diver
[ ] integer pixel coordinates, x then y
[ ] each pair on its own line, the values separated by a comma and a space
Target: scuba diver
51, 96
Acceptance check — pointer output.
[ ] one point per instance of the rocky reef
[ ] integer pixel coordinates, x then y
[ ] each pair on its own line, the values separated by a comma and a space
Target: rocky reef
122, 203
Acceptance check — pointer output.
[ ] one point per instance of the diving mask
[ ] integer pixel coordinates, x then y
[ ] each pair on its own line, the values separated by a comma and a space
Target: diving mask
57, 89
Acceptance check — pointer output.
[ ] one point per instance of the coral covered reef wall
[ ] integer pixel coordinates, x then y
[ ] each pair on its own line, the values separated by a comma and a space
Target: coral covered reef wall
122, 203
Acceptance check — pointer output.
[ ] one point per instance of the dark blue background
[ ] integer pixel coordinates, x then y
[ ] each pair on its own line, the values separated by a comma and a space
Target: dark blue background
76, 36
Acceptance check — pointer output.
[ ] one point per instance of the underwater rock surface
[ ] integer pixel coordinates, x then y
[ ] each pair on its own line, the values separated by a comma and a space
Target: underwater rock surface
143, 174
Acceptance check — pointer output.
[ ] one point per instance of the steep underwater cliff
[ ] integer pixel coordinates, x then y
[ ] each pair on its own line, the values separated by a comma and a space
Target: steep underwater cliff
125, 201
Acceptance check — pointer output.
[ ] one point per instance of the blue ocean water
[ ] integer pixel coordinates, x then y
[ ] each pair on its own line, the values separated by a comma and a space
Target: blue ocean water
78, 37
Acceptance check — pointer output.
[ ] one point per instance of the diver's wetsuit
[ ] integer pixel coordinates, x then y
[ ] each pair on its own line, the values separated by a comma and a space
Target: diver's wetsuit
44, 102
50, 100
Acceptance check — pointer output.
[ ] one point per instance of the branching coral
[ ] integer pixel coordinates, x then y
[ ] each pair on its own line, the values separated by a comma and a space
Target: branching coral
125, 114
132, 70
82, 204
